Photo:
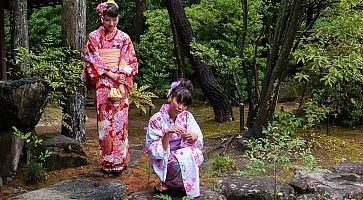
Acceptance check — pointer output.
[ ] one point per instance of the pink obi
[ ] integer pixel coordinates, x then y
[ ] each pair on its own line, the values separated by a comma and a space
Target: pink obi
113, 62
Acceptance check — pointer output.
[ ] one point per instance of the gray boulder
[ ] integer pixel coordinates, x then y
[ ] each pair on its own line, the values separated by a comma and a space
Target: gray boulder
347, 166
331, 184
11, 150
77, 189
246, 188
65, 152
22, 103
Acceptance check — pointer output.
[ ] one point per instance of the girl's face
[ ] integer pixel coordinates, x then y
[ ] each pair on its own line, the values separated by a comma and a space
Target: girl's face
176, 108
110, 23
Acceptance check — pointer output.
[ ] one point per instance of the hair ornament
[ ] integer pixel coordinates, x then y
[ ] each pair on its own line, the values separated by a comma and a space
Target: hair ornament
113, 2
173, 86
103, 6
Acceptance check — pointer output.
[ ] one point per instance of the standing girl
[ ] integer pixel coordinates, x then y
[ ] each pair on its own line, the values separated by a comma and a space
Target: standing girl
111, 65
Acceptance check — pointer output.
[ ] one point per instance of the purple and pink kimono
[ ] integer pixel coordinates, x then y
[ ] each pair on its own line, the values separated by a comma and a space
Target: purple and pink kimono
112, 52
178, 166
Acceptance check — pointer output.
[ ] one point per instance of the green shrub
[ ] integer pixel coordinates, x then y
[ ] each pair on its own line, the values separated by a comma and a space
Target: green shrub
221, 165
36, 157
35, 173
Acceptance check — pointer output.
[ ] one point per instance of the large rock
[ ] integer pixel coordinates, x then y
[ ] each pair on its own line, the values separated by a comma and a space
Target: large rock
11, 150
334, 185
22, 103
260, 188
347, 166
205, 194
77, 189
64, 152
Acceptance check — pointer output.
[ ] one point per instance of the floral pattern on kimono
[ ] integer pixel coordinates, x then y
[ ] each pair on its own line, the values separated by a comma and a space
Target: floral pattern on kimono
189, 156
112, 118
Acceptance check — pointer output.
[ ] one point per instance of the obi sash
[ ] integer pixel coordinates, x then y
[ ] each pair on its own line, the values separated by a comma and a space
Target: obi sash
114, 62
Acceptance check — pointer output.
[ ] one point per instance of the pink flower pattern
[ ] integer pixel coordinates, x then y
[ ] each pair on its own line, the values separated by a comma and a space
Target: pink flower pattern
188, 156
112, 118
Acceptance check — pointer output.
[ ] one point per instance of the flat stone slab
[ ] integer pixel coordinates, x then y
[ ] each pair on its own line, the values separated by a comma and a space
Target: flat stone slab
205, 194
259, 188
347, 166
77, 189
334, 185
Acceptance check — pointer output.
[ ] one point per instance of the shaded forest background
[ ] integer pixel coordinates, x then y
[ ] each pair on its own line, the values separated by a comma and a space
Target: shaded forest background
255, 53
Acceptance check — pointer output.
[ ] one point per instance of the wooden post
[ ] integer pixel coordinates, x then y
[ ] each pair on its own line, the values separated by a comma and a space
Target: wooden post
2, 43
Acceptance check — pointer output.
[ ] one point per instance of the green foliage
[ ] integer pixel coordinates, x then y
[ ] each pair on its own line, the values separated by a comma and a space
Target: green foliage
220, 165
278, 149
45, 26
217, 25
60, 68
333, 61
163, 197
156, 52
315, 113
167, 197
35, 171
141, 98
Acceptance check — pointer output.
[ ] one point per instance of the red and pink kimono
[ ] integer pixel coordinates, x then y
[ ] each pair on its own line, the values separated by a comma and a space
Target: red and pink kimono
112, 52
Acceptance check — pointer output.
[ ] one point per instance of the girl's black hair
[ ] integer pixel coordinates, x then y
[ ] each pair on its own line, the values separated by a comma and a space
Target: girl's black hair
111, 11
183, 92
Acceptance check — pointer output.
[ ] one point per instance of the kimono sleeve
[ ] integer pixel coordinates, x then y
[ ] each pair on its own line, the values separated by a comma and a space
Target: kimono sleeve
153, 146
95, 65
128, 53
194, 127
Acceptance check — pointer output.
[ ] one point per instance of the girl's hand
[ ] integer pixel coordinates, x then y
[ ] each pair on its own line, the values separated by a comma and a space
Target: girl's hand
112, 76
176, 129
190, 137
121, 78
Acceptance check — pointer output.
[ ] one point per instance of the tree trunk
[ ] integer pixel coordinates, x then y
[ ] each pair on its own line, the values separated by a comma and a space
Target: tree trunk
177, 51
20, 29
283, 40
74, 107
210, 87
2, 44
139, 19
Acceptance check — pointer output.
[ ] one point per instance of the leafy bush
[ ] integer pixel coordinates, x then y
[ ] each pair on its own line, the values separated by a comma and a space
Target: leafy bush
155, 51
220, 165
141, 98
59, 68
36, 157
333, 62
35, 173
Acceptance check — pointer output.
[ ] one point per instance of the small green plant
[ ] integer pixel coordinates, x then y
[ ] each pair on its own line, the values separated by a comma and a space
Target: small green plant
167, 197
220, 165
141, 98
163, 197
278, 149
35, 171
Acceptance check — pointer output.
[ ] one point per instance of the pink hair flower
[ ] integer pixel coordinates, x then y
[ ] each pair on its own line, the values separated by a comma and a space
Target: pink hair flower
101, 7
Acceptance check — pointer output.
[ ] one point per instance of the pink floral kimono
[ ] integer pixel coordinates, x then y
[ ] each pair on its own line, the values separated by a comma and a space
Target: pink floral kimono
178, 166
113, 53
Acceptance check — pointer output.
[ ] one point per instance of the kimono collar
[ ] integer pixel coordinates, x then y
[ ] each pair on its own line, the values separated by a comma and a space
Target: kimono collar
164, 109
109, 36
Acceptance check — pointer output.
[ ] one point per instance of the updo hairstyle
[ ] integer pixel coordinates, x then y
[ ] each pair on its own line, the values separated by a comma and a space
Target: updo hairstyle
183, 92
111, 11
